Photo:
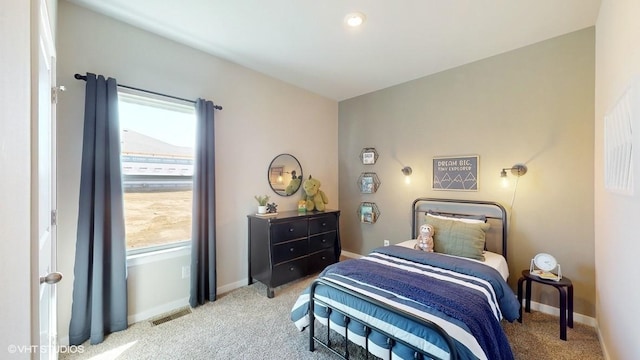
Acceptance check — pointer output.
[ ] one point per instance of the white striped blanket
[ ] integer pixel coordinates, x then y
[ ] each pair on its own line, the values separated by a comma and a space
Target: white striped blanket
465, 298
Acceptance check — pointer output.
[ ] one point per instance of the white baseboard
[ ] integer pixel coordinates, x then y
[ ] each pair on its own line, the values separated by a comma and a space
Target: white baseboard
173, 305
230, 287
167, 307
550, 310
157, 310
350, 255
605, 353
147, 314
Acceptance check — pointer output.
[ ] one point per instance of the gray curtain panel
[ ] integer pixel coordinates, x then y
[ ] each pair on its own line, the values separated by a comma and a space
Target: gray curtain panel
100, 272
203, 234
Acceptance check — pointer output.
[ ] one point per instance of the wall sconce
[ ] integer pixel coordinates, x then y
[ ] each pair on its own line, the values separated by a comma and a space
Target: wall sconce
407, 174
281, 176
517, 170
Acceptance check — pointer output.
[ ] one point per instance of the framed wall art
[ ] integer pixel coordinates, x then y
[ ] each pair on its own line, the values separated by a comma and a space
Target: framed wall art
368, 156
368, 212
618, 144
458, 173
368, 183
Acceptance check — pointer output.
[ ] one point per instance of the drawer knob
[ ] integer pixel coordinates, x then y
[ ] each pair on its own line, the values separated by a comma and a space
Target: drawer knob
324, 224
324, 240
290, 229
291, 249
291, 268
324, 258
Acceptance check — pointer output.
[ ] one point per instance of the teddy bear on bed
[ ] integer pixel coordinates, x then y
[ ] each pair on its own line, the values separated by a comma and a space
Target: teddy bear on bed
314, 197
425, 238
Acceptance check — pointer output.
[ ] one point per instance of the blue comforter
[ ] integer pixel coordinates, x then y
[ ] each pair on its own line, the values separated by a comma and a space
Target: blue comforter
466, 298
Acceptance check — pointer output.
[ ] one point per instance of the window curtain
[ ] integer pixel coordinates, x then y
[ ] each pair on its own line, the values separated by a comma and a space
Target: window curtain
203, 234
100, 278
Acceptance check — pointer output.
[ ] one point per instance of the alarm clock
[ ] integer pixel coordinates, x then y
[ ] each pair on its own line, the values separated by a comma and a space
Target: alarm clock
543, 264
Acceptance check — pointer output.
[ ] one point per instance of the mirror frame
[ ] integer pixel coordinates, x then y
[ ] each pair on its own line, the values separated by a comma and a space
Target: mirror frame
295, 168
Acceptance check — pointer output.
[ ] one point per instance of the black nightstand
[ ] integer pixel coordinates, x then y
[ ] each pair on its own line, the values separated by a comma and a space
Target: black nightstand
565, 288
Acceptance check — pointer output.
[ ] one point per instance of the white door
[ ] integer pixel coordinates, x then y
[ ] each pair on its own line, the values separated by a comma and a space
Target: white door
44, 188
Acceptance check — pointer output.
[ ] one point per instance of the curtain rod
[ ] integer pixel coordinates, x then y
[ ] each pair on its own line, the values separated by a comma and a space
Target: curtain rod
84, 77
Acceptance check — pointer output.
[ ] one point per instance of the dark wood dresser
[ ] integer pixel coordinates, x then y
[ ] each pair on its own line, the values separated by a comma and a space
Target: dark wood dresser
291, 245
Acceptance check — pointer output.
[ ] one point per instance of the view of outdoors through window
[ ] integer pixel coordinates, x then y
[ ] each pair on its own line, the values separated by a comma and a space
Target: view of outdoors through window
157, 143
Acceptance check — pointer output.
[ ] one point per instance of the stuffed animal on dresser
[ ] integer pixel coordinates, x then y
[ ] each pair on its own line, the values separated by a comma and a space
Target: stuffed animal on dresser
425, 238
315, 198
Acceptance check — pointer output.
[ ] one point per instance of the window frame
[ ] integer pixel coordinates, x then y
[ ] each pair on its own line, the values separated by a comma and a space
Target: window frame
160, 102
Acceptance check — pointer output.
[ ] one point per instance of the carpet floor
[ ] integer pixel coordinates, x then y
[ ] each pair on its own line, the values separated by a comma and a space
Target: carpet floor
245, 324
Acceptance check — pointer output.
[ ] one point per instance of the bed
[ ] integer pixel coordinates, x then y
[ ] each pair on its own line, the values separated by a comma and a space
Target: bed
399, 303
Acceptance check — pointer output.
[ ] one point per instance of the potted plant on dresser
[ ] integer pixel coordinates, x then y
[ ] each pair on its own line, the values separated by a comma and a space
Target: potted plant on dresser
262, 203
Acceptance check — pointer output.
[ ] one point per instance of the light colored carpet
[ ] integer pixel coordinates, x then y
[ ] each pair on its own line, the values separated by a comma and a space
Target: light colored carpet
245, 324
538, 337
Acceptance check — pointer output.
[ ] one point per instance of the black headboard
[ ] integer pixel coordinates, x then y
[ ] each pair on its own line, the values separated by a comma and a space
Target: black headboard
496, 239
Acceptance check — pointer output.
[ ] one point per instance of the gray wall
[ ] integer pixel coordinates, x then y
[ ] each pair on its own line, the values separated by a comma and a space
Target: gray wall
262, 118
616, 216
533, 105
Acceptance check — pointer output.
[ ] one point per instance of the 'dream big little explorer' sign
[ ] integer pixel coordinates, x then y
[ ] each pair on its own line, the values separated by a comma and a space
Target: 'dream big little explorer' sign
455, 173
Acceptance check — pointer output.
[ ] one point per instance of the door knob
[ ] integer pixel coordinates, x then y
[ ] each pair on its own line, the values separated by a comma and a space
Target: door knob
51, 278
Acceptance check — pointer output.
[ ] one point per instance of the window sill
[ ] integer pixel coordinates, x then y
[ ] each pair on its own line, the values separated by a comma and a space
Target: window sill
158, 255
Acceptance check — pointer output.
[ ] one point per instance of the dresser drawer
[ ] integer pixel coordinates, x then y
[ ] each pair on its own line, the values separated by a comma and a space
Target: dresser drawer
285, 251
320, 260
323, 224
289, 271
288, 231
322, 241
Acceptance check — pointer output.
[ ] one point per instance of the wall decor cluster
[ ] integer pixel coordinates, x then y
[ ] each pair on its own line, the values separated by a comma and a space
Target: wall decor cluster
368, 212
368, 183
458, 173
369, 156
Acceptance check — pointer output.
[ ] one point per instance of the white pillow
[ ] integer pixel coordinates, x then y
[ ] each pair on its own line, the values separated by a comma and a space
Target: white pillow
494, 260
461, 219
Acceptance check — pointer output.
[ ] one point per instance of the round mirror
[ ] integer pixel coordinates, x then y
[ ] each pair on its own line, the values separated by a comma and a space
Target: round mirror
285, 175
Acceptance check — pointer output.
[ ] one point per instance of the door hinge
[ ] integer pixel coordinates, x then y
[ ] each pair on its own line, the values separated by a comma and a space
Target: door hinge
54, 93
54, 217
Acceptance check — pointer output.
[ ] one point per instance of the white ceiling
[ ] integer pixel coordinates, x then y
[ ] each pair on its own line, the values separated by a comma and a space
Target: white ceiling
305, 43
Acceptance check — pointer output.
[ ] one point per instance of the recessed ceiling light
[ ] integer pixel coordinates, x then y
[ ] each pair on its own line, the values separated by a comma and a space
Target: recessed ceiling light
354, 19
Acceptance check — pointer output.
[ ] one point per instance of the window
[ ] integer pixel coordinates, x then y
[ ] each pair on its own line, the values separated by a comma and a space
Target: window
157, 146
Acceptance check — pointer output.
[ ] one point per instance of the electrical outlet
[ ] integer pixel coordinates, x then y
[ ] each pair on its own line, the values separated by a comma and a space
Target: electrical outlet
186, 272
386, 242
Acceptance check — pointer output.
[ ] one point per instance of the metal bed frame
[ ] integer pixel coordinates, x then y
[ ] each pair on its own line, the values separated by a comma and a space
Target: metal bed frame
495, 214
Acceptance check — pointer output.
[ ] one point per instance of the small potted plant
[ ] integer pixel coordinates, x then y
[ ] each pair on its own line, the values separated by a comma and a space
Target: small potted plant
262, 203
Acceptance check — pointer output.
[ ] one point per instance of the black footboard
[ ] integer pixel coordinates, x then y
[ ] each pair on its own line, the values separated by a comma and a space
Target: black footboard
418, 353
